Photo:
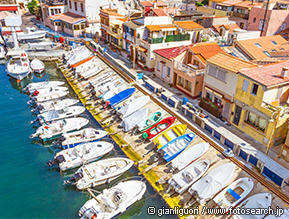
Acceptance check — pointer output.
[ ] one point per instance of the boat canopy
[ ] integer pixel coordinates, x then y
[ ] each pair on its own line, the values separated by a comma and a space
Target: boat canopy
15, 52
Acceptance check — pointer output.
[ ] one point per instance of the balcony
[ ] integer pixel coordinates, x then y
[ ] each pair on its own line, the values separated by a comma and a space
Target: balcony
55, 2
238, 15
177, 38
211, 107
187, 69
8, 2
155, 40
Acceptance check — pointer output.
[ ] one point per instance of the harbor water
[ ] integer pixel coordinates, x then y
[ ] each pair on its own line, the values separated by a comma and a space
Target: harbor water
28, 187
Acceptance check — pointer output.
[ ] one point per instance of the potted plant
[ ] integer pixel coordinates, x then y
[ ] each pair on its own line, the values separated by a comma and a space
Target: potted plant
145, 67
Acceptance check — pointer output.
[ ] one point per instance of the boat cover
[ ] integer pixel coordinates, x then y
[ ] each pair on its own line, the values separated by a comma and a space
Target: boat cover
131, 121
134, 106
52, 114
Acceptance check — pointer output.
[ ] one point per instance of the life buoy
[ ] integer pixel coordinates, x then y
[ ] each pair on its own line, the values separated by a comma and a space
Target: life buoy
23, 54
46, 127
94, 216
25, 65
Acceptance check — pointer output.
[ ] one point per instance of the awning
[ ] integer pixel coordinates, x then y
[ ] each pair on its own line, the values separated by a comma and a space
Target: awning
140, 48
8, 8
208, 89
219, 95
169, 29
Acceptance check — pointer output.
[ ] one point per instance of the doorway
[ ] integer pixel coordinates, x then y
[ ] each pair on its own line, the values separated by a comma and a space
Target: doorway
164, 71
237, 115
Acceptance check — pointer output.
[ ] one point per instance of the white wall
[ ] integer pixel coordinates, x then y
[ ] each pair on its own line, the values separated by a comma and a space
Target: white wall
246, 35
72, 9
92, 8
158, 20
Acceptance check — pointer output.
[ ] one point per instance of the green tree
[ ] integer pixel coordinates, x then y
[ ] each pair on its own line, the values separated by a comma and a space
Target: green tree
31, 6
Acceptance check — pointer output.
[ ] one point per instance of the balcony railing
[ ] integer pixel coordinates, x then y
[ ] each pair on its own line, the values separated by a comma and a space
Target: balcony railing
186, 69
155, 40
8, 2
177, 38
55, 2
238, 15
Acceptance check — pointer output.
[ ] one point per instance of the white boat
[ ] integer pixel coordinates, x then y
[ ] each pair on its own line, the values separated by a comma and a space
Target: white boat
80, 154
88, 65
72, 139
213, 182
113, 201
98, 80
46, 90
54, 115
190, 155
182, 180
104, 88
56, 104
55, 129
114, 91
260, 200
18, 65
234, 193
2, 52
41, 45
100, 172
48, 97
92, 72
38, 85
31, 33
37, 65
79, 56
133, 106
131, 121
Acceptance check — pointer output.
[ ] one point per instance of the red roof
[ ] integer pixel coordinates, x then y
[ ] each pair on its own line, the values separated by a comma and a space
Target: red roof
267, 75
171, 53
147, 4
157, 11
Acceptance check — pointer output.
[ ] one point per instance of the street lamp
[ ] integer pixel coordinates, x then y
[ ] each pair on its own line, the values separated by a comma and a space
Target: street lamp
274, 128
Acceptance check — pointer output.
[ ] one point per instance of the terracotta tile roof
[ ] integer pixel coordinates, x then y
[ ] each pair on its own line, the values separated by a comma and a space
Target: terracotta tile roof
172, 10
157, 11
159, 27
146, 4
218, 1
248, 4
230, 62
110, 11
68, 17
4, 14
161, 4
205, 51
229, 27
267, 75
171, 53
188, 25
255, 48
229, 2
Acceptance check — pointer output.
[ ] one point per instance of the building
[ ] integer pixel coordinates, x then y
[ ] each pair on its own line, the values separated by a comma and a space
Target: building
115, 33
155, 12
262, 92
223, 30
11, 6
220, 82
192, 28
261, 48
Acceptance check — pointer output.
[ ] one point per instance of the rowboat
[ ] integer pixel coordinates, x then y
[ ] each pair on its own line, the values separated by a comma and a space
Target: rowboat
37, 65
158, 128
119, 97
176, 146
169, 135
151, 120
133, 106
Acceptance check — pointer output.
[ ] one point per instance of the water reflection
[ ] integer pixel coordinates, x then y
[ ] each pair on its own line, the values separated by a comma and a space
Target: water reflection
40, 75
20, 85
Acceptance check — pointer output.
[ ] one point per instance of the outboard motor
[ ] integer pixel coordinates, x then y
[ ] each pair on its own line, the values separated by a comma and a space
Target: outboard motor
77, 176
38, 108
64, 61
59, 159
93, 93
161, 153
37, 119
32, 101
35, 93
59, 140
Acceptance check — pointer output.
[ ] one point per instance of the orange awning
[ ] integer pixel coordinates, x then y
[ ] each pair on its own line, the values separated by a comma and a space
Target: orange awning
142, 49
81, 62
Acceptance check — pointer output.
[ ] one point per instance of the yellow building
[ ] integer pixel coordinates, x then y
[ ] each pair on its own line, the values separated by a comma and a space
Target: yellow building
261, 96
115, 33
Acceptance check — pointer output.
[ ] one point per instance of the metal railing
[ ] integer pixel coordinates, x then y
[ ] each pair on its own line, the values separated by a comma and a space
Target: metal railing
185, 68
177, 38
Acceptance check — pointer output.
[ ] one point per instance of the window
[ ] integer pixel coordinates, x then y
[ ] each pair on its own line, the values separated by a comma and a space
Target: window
256, 121
212, 71
209, 95
274, 43
274, 50
57, 23
159, 66
258, 45
217, 99
189, 58
222, 75
261, 24
267, 53
196, 63
181, 81
282, 49
254, 89
242, 11
51, 22
242, 25
75, 6
81, 7
70, 4
169, 72
188, 85
51, 11
83, 26
283, 26
132, 32
254, 20
245, 85
76, 27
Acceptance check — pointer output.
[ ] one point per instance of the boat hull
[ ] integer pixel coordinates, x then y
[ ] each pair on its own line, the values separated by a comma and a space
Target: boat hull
19, 76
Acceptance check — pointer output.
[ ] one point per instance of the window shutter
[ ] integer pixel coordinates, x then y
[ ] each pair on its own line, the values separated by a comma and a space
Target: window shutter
212, 71
245, 85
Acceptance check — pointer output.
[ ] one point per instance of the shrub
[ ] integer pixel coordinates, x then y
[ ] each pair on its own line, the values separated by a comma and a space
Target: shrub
31, 6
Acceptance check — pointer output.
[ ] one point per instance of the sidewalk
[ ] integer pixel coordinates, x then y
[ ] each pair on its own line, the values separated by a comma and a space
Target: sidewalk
274, 151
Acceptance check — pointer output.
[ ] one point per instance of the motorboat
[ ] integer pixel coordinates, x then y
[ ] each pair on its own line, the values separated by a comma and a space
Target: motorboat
92, 72
172, 149
38, 85
151, 120
37, 65
105, 82
182, 180
169, 135
98, 80
55, 129
131, 121
212, 183
190, 155
234, 193
18, 65
113, 201
133, 106
113, 91
100, 172
80, 154
41, 45
57, 114
70, 140
105, 88
46, 90
119, 97
85, 66
158, 128
56, 105
48, 97
260, 200
2, 52
79, 57
30, 33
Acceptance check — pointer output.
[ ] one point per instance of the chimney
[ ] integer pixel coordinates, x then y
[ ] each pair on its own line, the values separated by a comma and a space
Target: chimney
284, 72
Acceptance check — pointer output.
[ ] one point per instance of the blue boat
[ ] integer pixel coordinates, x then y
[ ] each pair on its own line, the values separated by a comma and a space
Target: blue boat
172, 149
118, 98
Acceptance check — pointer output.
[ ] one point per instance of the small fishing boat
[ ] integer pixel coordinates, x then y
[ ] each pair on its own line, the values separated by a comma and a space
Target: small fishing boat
169, 135
212, 183
151, 120
37, 65
30, 33
100, 172
70, 140
234, 193
38, 85
55, 129
131, 121
119, 97
48, 97
56, 104
99, 79
79, 58
54, 115
92, 72
44, 91
113, 91
182, 180
113, 201
133, 106
260, 200
158, 128
190, 155
102, 88
176, 146
85, 66
40, 45
82, 153
105, 82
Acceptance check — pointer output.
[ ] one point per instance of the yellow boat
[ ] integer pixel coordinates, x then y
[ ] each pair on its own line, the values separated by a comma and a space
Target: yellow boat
169, 135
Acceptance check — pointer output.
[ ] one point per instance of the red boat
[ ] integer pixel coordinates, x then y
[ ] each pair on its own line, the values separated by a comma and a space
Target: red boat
158, 128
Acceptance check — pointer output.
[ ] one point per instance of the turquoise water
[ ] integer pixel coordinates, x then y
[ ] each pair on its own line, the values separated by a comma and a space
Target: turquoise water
28, 187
